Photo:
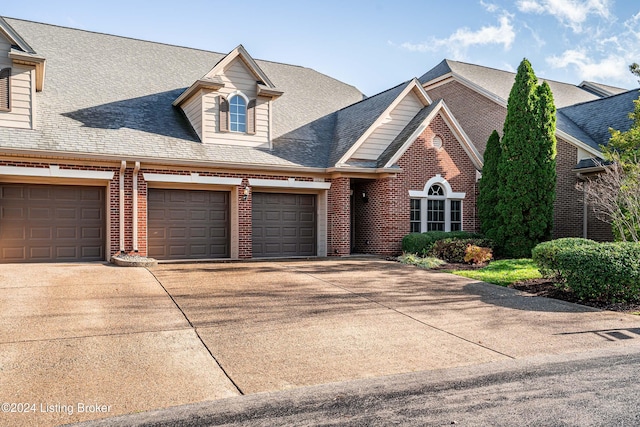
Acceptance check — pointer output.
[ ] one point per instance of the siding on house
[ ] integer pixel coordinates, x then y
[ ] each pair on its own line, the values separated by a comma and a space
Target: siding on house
236, 77
380, 139
193, 110
22, 91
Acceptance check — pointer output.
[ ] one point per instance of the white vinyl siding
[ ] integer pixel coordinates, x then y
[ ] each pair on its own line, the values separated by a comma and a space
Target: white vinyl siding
22, 90
193, 110
380, 139
236, 77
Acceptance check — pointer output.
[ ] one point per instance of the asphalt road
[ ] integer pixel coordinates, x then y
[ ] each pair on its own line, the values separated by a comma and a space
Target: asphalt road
599, 388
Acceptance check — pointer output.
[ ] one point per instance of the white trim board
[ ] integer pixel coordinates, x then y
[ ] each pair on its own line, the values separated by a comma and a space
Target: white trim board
54, 171
290, 183
194, 178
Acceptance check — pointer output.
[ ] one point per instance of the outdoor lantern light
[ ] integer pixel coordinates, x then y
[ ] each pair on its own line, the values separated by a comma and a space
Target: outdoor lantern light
245, 196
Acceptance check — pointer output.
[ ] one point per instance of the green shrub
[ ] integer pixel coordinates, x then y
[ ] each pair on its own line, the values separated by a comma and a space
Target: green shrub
421, 243
426, 262
454, 249
606, 271
545, 254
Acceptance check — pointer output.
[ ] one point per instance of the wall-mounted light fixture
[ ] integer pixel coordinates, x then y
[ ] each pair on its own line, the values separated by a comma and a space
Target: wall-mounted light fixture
365, 199
245, 193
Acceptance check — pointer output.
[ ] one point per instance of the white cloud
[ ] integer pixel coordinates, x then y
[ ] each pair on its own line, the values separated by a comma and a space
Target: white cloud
490, 7
611, 67
572, 13
459, 41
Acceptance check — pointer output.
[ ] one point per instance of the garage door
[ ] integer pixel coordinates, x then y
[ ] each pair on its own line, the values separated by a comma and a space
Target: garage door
51, 223
284, 225
188, 224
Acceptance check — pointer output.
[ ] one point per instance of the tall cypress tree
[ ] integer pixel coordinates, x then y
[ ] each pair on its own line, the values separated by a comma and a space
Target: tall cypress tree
542, 227
488, 187
519, 207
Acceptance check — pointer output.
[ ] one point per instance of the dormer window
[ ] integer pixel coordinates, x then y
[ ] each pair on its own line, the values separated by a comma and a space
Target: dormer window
237, 114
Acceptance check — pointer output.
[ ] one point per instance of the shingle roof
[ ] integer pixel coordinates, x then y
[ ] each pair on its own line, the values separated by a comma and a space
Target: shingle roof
353, 121
601, 89
499, 82
596, 117
110, 95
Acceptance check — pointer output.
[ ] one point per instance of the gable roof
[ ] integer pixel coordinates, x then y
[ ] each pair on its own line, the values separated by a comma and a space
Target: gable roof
601, 89
111, 97
415, 128
496, 84
353, 121
596, 117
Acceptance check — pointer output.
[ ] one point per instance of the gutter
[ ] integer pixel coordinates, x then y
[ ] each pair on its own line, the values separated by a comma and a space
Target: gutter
135, 206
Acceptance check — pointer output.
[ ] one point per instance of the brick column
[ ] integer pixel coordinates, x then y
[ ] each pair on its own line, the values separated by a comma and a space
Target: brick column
339, 217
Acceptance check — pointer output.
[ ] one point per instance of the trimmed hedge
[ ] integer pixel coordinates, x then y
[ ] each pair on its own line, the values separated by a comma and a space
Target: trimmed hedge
545, 254
606, 271
455, 249
422, 243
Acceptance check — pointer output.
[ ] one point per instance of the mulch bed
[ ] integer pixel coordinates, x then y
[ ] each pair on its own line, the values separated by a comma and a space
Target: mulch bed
548, 289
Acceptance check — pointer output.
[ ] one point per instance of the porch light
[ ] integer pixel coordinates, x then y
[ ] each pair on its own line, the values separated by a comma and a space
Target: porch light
245, 194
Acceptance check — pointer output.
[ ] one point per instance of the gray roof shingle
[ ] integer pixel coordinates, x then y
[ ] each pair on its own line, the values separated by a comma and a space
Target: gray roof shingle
111, 96
499, 82
596, 117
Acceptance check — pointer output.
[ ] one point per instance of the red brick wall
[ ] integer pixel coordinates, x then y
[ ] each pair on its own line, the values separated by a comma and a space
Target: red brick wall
339, 218
477, 114
568, 207
384, 219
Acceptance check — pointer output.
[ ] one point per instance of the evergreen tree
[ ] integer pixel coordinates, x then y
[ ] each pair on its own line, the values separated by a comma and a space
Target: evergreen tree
488, 187
542, 227
525, 214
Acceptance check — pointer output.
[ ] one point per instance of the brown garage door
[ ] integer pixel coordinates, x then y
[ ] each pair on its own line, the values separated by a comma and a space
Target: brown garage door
188, 224
284, 225
49, 223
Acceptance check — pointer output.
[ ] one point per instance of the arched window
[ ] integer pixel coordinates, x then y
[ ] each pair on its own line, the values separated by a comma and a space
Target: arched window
436, 208
237, 114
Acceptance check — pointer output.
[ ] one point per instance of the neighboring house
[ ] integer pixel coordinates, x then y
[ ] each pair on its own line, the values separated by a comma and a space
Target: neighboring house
478, 96
113, 145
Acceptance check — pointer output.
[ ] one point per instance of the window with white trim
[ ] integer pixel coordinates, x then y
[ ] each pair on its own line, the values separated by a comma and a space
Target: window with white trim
237, 114
436, 208
415, 216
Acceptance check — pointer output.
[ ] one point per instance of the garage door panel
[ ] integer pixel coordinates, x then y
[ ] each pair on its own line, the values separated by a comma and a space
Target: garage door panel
41, 233
49, 223
41, 252
187, 224
284, 225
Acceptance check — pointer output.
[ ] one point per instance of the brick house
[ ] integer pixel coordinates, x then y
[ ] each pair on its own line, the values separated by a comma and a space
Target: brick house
478, 95
112, 145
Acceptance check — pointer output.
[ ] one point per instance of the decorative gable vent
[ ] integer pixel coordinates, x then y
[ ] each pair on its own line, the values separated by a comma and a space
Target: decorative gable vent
436, 142
5, 89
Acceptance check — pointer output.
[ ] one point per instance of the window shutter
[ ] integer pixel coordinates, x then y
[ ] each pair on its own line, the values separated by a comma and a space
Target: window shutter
223, 117
5, 89
251, 117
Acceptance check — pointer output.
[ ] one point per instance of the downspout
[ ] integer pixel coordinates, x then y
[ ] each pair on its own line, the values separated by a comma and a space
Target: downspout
123, 167
136, 168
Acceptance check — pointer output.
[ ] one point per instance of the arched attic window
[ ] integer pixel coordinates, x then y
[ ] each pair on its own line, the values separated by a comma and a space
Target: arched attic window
237, 114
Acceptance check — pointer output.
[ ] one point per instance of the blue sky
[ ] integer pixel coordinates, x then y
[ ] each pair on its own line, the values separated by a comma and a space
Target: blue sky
373, 44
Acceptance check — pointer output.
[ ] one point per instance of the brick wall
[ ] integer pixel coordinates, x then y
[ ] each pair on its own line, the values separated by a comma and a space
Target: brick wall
478, 115
384, 219
339, 218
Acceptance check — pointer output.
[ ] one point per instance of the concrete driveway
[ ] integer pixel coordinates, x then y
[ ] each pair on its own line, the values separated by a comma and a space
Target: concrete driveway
132, 339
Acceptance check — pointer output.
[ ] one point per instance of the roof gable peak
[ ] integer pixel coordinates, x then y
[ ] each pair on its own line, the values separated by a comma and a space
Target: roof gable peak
252, 66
